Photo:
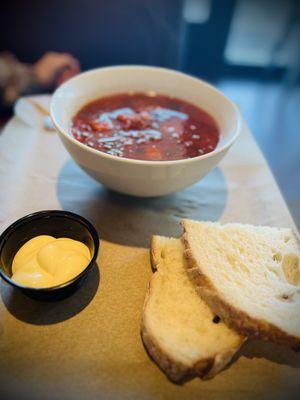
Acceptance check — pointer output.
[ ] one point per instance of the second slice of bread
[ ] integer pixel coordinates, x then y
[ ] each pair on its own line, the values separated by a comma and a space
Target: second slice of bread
178, 329
249, 275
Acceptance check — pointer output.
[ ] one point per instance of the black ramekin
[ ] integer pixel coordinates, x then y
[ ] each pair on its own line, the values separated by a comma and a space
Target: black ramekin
55, 223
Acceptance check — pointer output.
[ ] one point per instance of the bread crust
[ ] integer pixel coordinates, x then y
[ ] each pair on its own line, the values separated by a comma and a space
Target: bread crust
153, 254
234, 317
177, 372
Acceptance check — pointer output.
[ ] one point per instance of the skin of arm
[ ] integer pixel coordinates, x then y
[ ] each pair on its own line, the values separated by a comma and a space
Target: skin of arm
17, 79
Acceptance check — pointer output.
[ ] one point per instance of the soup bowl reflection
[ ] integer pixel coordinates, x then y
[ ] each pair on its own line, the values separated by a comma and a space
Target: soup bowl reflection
139, 177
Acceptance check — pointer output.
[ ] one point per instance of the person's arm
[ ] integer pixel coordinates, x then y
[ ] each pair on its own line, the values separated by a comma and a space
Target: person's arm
17, 78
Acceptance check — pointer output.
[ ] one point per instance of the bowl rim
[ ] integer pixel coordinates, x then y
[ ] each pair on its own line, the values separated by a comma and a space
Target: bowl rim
217, 150
21, 221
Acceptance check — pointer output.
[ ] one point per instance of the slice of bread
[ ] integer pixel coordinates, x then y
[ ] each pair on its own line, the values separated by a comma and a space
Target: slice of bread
178, 328
249, 276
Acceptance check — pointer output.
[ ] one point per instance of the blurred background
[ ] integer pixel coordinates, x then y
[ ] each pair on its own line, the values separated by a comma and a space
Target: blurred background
250, 49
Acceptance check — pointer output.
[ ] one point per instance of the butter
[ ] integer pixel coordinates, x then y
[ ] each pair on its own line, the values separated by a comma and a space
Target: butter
45, 261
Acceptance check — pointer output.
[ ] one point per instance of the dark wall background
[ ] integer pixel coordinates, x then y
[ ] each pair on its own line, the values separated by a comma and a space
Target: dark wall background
106, 32
98, 32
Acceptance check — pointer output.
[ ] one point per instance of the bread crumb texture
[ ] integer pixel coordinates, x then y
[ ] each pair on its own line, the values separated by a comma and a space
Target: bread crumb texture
250, 270
176, 318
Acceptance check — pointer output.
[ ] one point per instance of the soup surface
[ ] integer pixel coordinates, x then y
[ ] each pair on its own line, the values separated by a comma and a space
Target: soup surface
146, 126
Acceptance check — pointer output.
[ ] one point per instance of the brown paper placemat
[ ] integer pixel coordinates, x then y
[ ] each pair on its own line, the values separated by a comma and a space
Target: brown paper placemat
88, 346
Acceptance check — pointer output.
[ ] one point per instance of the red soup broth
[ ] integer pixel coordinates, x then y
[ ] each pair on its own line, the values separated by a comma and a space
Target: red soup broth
145, 126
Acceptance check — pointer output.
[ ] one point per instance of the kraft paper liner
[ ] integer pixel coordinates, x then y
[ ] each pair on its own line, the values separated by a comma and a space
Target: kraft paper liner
89, 346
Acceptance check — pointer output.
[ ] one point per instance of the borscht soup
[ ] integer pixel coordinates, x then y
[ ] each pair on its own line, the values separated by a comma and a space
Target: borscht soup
146, 126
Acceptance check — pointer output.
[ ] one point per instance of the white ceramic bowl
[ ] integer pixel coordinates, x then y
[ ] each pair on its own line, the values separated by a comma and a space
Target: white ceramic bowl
138, 177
